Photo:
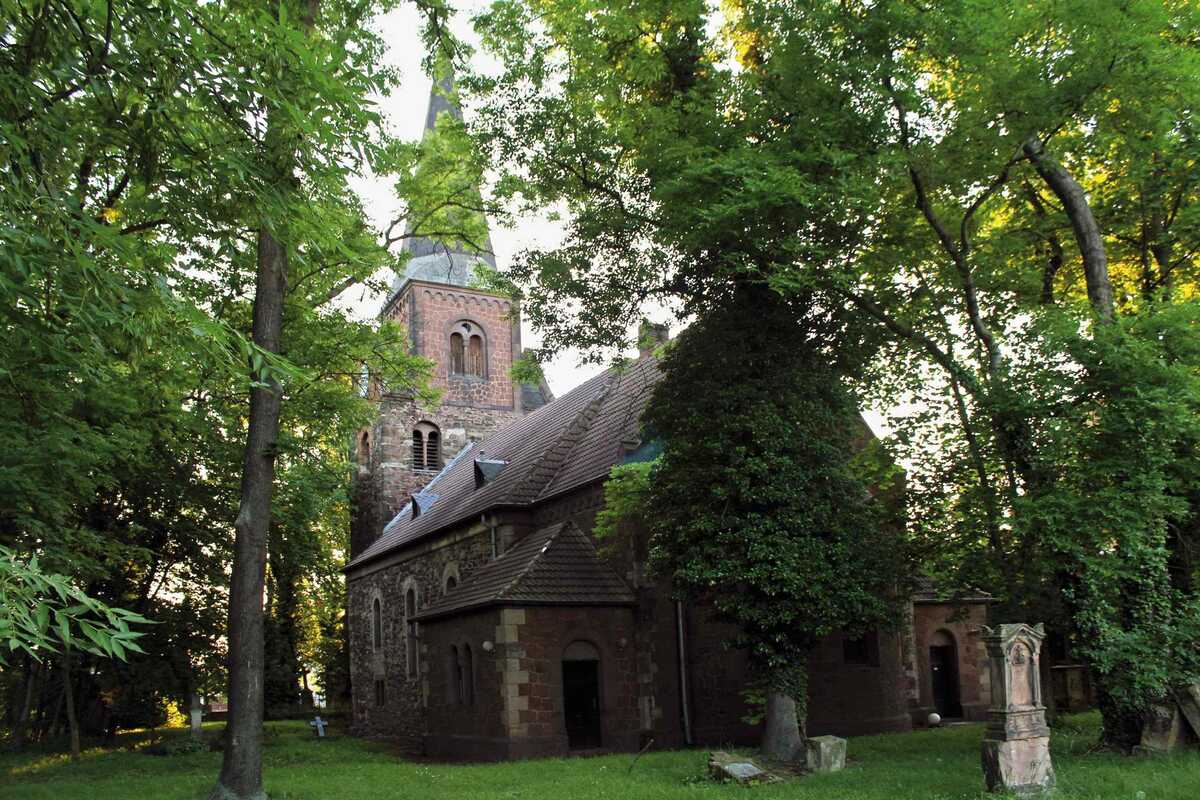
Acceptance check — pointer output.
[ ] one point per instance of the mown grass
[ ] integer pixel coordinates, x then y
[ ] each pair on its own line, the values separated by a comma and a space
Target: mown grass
925, 765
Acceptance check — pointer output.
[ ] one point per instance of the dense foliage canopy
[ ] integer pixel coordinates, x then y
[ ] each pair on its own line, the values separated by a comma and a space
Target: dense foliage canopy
998, 201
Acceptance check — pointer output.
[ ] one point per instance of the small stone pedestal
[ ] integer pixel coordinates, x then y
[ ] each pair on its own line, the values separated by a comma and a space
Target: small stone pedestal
826, 753
1016, 744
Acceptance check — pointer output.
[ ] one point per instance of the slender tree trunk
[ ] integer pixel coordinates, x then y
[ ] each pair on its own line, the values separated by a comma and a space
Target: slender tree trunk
1083, 222
69, 700
241, 769
21, 724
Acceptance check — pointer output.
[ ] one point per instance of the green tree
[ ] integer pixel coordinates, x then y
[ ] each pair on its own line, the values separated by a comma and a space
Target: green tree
1000, 196
757, 506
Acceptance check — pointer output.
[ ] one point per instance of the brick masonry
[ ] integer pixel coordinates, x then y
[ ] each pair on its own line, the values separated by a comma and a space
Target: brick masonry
470, 409
517, 691
962, 623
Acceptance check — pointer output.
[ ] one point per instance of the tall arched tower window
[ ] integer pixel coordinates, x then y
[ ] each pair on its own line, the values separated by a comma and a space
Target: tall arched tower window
458, 360
426, 447
468, 350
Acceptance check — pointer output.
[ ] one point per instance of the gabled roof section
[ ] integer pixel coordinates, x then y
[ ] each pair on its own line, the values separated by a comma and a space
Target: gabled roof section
568, 443
927, 590
557, 565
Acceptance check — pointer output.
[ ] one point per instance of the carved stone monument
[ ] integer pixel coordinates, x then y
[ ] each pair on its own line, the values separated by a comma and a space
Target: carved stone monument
1016, 744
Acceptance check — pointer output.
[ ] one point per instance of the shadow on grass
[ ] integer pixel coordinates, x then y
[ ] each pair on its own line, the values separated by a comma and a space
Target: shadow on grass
923, 765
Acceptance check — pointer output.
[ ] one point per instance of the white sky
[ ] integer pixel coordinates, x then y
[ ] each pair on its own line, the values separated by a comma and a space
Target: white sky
404, 111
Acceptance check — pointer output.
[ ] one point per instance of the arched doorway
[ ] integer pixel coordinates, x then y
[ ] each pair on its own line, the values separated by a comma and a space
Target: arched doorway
943, 672
581, 694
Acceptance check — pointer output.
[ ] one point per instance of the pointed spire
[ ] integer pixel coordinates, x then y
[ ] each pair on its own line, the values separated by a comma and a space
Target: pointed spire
441, 99
432, 260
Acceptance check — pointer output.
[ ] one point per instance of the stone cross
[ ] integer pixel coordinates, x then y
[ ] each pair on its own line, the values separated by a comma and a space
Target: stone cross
319, 724
1016, 743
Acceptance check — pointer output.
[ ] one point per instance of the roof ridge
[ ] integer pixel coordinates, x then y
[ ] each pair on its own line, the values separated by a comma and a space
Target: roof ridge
543, 470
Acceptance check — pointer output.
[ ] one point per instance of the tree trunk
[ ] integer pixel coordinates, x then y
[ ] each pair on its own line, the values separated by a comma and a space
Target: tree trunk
69, 700
782, 737
241, 768
21, 724
1083, 222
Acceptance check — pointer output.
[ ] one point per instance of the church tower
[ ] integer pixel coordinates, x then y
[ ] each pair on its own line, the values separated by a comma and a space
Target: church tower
472, 337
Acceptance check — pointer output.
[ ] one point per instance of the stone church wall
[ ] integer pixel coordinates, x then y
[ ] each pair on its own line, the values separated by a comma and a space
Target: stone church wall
402, 717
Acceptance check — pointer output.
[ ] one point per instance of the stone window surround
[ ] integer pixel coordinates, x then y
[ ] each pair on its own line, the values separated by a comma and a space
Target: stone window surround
412, 632
476, 330
460, 674
450, 571
426, 449
377, 627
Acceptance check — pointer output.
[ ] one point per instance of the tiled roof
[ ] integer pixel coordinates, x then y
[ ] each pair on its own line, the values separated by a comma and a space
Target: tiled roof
557, 565
563, 445
929, 590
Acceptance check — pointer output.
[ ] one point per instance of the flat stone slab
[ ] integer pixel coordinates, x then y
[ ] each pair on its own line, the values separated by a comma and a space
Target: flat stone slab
736, 768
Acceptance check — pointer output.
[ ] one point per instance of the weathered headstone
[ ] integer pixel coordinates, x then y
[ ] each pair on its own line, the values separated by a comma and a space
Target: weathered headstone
1189, 705
195, 714
826, 753
1163, 730
1016, 743
319, 725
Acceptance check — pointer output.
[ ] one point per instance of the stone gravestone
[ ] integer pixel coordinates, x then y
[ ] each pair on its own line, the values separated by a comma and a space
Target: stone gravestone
1016, 743
826, 753
195, 714
318, 725
1163, 731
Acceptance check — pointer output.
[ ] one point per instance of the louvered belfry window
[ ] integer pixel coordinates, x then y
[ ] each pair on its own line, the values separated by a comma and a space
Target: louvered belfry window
426, 447
433, 450
418, 450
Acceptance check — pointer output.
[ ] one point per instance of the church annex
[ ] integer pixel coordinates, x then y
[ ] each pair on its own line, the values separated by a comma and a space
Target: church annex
485, 622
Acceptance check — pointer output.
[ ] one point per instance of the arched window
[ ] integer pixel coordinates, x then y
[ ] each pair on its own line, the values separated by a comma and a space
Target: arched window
453, 676
467, 689
426, 447
449, 577
376, 624
364, 449
410, 632
418, 450
433, 450
468, 350
458, 362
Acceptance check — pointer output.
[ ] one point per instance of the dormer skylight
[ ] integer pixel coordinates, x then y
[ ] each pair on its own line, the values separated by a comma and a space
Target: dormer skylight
487, 469
421, 501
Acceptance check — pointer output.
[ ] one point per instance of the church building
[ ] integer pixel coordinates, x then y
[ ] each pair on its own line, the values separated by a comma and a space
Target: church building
486, 623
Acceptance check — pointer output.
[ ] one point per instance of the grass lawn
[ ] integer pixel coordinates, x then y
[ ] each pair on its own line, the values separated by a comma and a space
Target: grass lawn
925, 765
